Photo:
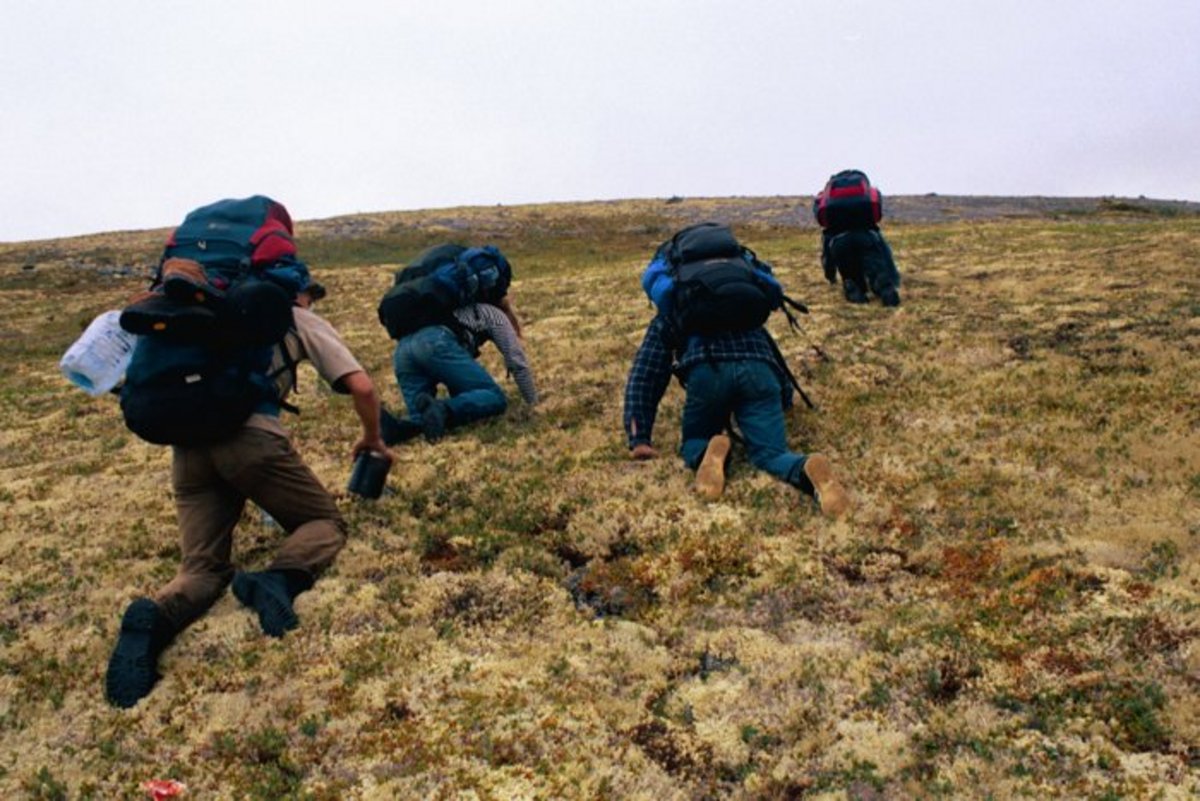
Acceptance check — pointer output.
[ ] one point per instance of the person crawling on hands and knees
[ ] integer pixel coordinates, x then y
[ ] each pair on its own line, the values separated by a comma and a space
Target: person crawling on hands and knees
728, 363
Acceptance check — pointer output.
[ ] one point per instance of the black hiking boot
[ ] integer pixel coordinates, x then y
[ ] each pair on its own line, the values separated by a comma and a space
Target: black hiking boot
133, 667
854, 293
270, 593
434, 416
818, 480
396, 430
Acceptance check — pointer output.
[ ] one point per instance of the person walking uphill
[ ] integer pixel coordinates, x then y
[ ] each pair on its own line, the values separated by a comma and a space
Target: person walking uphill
713, 296
441, 310
209, 376
848, 210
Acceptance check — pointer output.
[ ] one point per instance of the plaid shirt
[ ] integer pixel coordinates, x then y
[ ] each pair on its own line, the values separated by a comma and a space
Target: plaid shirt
659, 357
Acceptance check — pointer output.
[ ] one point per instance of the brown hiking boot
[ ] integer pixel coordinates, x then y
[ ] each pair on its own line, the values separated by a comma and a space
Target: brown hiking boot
185, 281
827, 489
710, 478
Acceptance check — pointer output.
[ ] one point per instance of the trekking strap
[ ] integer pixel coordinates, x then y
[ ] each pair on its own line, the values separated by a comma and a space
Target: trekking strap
290, 365
791, 318
783, 365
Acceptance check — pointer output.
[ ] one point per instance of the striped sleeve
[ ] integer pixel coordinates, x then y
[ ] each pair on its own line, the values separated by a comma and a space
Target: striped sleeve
491, 323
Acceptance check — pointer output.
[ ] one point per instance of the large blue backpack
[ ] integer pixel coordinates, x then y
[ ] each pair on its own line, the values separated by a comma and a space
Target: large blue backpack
706, 282
440, 280
218, 307
233, 237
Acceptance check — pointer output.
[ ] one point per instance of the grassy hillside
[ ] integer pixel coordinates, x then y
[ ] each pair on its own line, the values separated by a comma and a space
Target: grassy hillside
1010, 612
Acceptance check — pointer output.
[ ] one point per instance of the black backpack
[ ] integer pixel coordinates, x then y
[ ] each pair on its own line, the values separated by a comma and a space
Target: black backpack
440, 280
190, 394
208, 330
717, 284
706, 282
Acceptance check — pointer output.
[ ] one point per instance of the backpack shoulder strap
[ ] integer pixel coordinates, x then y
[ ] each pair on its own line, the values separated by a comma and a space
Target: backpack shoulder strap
787, 371
290, 365
793, 323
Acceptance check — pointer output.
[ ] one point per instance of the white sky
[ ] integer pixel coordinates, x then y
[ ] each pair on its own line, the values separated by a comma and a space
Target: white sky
122, 114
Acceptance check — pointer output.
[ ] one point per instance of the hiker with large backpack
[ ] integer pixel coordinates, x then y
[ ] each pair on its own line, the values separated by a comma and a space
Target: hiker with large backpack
441, 309
221, 331
849, 209
713, 297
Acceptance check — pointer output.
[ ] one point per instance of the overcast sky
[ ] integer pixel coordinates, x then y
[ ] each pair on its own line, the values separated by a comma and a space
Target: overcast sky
120, 114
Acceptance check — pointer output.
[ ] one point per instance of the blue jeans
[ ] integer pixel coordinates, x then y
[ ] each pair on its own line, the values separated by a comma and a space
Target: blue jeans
433, 356
751, 392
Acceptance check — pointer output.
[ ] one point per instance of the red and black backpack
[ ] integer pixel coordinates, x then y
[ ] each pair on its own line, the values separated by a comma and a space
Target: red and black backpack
848, 201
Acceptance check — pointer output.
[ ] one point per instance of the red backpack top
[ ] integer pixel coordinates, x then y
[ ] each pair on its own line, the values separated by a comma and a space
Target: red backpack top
230, 237
848, 201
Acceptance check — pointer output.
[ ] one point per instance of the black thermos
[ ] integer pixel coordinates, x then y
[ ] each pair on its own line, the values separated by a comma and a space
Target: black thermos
369, 474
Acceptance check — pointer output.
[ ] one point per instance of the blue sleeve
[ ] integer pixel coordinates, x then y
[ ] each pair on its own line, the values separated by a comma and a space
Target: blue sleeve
657, 282
765, 270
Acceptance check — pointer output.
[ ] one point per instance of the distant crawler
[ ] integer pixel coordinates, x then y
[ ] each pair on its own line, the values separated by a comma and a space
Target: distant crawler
848, 210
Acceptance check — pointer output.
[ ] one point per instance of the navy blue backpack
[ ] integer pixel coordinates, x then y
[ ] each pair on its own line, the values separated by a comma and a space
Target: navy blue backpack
219, 305
440, 280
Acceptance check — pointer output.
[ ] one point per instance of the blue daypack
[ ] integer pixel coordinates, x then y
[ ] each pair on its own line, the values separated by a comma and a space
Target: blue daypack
440, 280
218, 251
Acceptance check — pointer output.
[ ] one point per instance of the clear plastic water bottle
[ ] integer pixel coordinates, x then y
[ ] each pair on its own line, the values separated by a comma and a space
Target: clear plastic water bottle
96, 362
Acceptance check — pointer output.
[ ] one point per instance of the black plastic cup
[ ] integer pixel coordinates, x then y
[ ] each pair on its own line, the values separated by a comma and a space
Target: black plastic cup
369, 474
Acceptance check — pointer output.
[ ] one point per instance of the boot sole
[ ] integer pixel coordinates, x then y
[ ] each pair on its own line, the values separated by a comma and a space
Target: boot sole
710, 477
832, 498
132, 669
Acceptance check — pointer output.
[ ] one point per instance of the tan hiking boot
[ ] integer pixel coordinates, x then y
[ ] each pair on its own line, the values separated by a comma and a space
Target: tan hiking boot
828, 490
710, 478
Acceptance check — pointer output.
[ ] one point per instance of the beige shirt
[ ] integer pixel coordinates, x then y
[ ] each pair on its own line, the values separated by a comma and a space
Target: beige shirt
317, 341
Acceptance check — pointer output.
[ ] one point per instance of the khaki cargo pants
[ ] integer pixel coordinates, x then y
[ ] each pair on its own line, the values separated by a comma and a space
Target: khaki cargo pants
211, 486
